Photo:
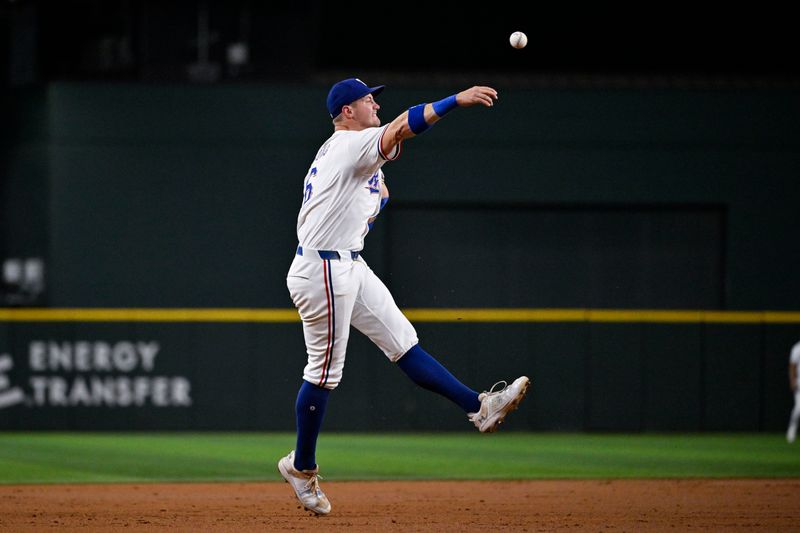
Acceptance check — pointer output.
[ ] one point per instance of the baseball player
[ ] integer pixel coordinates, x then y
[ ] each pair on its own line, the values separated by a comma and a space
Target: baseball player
794, 360
333, 287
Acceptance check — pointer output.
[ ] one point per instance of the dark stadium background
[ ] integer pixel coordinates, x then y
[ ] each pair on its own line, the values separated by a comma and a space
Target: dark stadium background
148, 40
640, 159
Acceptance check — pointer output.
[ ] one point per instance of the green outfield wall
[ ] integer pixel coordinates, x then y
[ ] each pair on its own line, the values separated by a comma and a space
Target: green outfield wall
606, 371
185, 197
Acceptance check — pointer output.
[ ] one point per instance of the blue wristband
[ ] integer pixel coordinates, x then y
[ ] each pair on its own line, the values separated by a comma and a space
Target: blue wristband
416, 119
442, 107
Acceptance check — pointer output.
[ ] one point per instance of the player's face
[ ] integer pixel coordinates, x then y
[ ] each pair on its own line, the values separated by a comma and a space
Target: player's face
365, 112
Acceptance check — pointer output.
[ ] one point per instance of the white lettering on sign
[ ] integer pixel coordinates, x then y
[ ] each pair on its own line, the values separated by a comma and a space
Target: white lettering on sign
94, 391
85, 356
87, 373
8, 395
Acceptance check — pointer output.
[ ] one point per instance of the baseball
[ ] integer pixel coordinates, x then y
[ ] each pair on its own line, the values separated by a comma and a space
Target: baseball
518, 39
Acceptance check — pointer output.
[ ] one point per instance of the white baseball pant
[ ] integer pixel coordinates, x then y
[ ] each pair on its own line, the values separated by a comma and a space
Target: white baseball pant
333, 294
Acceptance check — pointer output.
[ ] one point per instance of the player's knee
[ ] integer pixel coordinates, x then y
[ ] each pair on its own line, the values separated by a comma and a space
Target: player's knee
330, 386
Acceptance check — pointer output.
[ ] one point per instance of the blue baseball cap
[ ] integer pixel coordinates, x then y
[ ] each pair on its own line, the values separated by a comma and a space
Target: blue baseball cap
348, 91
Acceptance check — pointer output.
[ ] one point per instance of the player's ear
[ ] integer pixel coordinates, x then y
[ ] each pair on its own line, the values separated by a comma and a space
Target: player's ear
347, 111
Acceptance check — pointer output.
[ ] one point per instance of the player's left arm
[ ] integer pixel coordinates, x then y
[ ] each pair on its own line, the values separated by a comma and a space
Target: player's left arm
420, 117
384, 200
384, 194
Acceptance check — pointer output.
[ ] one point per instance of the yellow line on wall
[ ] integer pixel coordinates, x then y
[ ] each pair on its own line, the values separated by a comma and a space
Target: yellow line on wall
603, 315
149, 315
485, 315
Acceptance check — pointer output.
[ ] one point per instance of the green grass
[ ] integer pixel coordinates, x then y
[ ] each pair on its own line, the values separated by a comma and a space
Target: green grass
141, 457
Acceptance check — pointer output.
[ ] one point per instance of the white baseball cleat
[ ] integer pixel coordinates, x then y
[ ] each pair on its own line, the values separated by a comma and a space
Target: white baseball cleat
495, 405
791, 434
305, 484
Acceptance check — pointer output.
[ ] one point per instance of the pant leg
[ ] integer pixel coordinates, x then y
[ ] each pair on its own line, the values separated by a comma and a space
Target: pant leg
376, 315
324, 292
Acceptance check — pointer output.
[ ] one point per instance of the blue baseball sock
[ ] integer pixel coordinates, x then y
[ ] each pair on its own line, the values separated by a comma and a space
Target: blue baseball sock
310, 407
428, 373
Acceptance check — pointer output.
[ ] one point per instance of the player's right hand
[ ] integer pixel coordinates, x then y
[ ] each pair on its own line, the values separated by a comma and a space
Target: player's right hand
477, 95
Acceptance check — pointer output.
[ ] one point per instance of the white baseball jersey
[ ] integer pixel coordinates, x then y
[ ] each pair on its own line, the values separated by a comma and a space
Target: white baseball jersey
794, 358
794, 419
343, 190
332, 292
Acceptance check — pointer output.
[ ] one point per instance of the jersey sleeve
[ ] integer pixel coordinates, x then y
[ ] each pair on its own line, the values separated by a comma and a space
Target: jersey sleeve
366, 145
395, 153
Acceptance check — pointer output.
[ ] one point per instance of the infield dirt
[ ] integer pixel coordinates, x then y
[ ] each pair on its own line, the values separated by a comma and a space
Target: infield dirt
621, 505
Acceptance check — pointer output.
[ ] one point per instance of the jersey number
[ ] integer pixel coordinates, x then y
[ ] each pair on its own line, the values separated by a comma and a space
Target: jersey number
308, 188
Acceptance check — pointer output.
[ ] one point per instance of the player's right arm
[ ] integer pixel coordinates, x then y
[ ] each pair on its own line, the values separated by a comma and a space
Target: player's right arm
420, 117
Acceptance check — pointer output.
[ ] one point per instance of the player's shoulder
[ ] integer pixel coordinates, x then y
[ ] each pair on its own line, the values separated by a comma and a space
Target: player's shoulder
366, 132
365, 141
